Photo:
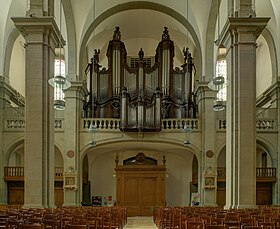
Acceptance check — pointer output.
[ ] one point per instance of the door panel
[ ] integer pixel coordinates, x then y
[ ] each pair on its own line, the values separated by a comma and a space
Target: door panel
140, 188
148, 195
131, 193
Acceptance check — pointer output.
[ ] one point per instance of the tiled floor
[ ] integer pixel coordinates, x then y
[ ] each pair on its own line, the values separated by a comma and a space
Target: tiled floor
140, 223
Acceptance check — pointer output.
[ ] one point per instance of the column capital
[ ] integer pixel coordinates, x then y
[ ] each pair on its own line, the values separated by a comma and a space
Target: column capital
38, 25
248, 25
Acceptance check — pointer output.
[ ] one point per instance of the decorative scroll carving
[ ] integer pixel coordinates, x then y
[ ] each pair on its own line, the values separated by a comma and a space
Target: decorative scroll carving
140, 159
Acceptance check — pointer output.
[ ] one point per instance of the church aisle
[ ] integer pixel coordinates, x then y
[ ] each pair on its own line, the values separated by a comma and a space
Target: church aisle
140, 223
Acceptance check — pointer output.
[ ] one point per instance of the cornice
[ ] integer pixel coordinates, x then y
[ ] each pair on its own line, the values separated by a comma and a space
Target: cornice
32, 25
245, 24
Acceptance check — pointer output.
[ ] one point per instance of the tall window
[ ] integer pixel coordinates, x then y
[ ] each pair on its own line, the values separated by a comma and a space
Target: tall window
221, 70
59, 71
59, 67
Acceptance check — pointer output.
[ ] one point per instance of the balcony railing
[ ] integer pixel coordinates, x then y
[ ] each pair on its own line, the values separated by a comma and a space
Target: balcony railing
18, 124
114, 124
262, 125
262, 174
16, 173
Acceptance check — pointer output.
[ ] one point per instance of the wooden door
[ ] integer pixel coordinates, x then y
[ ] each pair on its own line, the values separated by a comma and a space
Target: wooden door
132, 197
147, 195
140, 188
16, 196
58, 196
140, 195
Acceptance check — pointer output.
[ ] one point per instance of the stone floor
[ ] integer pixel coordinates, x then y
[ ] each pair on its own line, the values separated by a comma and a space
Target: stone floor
140, 223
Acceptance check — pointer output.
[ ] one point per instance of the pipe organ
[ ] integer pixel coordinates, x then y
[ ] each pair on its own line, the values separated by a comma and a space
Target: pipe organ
140, 97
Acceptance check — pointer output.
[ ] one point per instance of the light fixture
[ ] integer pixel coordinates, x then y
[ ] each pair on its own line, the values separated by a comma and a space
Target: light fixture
59, 82
92, 129
219, 82
187, 130
218, 104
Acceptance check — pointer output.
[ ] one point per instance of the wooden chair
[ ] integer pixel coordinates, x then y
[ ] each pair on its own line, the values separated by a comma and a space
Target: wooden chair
248, 222
52, 223
184, 219
244, 215
194, 225
32, 226
72, 226
88, 222
217, 221
251, 227
276, 221
36, 220
66, 220
267, 225
14, 223
232, 224
206, 218
215, 226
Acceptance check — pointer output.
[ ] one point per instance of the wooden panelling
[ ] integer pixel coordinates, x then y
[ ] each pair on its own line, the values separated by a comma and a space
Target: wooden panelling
140, 188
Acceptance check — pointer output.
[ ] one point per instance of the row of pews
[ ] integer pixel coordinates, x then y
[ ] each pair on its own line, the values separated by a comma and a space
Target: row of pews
84, 217
216, 218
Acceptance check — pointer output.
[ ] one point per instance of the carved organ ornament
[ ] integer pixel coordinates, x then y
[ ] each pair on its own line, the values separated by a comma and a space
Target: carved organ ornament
140, 97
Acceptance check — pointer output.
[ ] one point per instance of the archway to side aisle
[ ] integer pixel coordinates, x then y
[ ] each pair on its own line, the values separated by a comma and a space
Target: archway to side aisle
14, 174
265, 171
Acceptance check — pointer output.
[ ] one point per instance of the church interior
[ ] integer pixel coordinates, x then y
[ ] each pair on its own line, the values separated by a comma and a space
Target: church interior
139, 104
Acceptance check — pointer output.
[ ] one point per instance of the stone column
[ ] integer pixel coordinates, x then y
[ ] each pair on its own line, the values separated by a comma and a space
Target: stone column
207, 169
239, 36
41, 37
72, 161
3, 185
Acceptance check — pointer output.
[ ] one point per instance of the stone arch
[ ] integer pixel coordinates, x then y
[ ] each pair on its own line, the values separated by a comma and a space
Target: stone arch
8, 52
268, 148
191, 148
138, 5
71, 40
220, 156
210, 37
261, 143
59, 159
10, 148
98, 154
272, 50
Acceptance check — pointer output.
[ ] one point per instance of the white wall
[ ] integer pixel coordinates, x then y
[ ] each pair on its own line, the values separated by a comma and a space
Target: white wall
17, 66
263, 66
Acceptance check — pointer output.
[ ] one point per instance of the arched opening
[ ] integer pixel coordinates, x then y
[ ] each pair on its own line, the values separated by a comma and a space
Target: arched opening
179, 171
14, 175
265, 176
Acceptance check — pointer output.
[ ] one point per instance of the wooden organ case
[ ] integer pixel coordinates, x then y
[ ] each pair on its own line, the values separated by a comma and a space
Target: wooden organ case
142, 96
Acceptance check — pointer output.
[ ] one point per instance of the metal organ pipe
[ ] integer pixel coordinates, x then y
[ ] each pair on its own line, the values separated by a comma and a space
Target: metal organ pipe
124, 108
165, 71
141, 79
116, 71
